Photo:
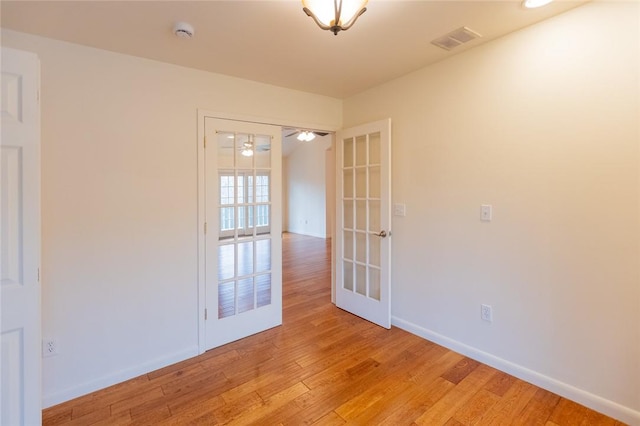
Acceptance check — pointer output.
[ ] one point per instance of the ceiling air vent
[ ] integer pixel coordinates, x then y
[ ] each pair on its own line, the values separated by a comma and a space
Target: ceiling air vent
455, 38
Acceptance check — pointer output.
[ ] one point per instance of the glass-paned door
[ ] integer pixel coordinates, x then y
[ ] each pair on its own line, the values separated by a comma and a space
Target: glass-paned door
363, 218
243, 240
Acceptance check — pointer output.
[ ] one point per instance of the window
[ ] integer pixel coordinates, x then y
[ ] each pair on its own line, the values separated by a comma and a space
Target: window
237, 195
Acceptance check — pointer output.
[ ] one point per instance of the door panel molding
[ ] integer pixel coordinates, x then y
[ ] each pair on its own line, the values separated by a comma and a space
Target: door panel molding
363, 221
20, 335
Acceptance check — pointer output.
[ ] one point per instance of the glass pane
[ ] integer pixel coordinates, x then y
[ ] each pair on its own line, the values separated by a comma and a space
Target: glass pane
361, 247
361, 215
361, 280
263, 189
245, 258
249, 211
226, 299
374, 216
263, 289
225, 150
250, 186
245, 149
227, 219
348, 275
263, 151
374, 283
348, 214
361, 151
361, 183
348, 245
374, 250
227, 189
348, 153
245, 295
374, 182
240, 185
242, 221
348, 183
263, 215
263, 255
374, 148
226, 262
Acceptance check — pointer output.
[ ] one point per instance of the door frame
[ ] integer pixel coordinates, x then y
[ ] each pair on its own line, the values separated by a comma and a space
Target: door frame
201, 218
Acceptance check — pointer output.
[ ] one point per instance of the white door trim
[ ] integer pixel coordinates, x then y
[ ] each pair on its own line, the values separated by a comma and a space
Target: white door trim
201, 218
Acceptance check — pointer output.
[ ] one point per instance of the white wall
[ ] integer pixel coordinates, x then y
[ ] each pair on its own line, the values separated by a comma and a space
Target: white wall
119, 204
544, 125
306, 188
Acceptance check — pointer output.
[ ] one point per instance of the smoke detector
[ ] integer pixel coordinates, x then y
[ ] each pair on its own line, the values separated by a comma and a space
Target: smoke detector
183, 30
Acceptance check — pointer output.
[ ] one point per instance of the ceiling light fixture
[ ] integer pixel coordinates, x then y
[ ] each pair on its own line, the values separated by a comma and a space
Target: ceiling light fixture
337, 17
532, 4
247, 147
306, 136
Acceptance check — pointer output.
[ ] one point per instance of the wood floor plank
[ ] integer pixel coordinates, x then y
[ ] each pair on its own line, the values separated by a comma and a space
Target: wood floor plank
331, 419
508, 409
539, 409
327, 367
278, 400
413, 403
474, 410
450, 403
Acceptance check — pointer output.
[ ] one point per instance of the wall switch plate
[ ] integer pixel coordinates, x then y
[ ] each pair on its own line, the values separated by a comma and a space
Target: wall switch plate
486, 212
399, 209
486, 313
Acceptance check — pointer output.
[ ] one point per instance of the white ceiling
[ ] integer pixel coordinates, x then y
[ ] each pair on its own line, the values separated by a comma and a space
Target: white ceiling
273, 41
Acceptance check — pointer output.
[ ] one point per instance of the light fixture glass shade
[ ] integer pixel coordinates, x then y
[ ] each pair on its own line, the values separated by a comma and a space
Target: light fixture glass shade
247, 152
532, 4
336, 15
306, 136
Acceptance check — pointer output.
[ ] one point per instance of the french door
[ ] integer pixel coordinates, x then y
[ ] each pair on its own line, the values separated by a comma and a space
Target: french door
243, 240
363, 231
20, 390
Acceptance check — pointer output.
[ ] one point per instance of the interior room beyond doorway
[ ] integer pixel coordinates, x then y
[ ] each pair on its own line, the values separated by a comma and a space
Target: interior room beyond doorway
308, 184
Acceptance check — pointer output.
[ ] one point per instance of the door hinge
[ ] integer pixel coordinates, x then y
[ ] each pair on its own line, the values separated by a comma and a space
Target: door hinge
205, 314
38, 274
205, 228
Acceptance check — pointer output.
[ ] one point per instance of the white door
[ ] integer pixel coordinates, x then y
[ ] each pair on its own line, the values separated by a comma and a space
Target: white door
20, 392
243, 241
363, 219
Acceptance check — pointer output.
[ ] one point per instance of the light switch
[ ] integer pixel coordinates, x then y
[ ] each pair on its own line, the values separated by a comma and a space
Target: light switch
399, 209
485, 213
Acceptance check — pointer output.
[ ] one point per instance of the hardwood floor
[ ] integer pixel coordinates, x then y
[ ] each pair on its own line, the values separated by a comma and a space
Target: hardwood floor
324, 366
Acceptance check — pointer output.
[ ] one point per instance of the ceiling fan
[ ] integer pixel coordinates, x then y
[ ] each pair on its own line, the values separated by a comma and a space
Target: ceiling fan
247, 146
306, 135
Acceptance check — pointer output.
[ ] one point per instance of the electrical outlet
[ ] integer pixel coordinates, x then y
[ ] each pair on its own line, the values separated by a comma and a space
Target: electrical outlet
486, 313
49, 348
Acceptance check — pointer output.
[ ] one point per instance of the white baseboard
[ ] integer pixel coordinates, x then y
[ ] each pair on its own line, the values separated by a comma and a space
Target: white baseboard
595, 402
116, 377
308, 234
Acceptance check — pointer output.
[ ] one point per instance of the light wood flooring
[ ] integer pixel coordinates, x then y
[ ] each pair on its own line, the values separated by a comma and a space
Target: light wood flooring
324, 366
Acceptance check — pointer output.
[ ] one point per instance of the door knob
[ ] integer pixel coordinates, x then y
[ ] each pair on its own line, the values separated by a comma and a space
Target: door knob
382, 234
